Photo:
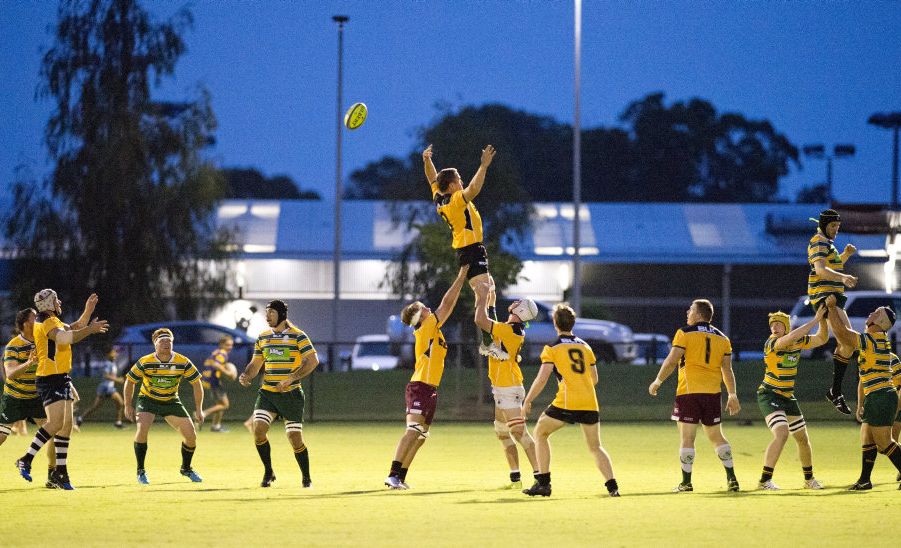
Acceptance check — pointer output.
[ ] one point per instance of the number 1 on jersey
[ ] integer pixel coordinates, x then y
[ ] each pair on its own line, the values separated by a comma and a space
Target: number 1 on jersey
707, 351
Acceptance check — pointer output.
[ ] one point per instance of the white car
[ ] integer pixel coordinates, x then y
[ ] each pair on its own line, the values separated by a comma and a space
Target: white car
858, 307
373, 352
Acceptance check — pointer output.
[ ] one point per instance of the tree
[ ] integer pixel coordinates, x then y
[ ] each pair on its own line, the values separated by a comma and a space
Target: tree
127, 210
249, 183
815, 194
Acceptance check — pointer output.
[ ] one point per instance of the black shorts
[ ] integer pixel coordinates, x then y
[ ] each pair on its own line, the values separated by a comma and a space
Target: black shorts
572, 417
476, 256
54, 388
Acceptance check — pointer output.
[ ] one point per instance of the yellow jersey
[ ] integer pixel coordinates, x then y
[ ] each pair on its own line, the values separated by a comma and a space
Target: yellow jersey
160, 380
782, 365
875, 362
509, 336
461, 216
16, 353
430, 350
821, 247
572, 359
700, 369
53, 358
896, 372
282, 354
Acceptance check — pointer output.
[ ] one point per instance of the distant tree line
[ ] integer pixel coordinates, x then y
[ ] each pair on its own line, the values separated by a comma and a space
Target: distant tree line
678, 152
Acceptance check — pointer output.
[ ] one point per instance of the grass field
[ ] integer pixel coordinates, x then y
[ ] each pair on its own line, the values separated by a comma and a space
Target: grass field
454, 500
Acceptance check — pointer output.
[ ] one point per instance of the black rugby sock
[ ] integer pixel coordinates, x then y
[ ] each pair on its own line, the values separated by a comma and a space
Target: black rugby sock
140, 453
187, 453
868, 461
264, 451
839, 365
302, 456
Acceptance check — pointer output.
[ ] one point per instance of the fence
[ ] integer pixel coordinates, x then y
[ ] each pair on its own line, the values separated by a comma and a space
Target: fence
341, 393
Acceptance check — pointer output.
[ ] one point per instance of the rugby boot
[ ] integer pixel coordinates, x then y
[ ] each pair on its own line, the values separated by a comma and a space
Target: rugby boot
539, 490
393, 482
513, 485
24, 469
50, 484
767, 485
306, 483
838, 400
61, 480
268, 478
190, 474
497, 352
812, 483
732, 486
861, 486
683, 488
142, 477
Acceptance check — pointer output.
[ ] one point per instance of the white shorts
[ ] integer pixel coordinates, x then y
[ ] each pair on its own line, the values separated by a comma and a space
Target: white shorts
508, 397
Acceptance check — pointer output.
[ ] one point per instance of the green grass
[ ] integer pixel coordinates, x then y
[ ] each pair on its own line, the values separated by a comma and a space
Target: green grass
453, 501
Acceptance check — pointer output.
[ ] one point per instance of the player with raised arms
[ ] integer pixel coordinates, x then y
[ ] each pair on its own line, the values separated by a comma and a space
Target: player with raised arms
877, 399
286, 355
703, 355
506, 377
421, 393
160, 374
776, 394
572, 361
827, 278
53, 342
454, 204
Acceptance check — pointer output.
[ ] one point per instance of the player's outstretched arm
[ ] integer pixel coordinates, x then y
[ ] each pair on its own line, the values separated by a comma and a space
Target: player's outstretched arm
827, 273
666, 368
481, 317
62, 336
732, 404
789, 338
475, 185
537, 386
446, 308
431, 174
86, 315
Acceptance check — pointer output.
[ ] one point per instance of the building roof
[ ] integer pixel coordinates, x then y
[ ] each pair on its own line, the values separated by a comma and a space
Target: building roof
651, 233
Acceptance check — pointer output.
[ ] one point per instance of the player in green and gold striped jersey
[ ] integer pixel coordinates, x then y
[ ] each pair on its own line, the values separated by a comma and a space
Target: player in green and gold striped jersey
160, 375
827, 278
877, 400
776, 394
20, 399
286, 355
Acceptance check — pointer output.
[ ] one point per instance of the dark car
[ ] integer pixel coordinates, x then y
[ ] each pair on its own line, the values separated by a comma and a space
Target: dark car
196, 340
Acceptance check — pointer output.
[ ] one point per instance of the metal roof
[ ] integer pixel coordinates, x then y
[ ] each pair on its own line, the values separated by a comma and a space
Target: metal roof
679, 233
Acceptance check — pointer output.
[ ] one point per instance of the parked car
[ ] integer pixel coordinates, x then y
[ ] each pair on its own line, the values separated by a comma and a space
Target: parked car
650, 348
610, 341
373, 352
858, 307
194, 339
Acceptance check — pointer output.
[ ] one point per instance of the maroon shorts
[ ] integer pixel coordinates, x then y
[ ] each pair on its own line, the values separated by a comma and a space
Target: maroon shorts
694, 408
422, 399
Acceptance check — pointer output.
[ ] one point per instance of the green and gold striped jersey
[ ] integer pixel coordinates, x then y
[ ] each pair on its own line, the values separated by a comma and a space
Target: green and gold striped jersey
159, 380
822, 248
17, 352
875, 362
782, 365
282, 354
896, 372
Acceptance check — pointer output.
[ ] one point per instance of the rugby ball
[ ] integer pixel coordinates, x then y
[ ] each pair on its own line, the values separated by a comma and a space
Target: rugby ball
355, 115
231, 371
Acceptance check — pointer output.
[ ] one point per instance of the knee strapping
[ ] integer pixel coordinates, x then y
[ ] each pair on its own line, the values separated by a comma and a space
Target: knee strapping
263, 416
293, 426
5, 430
503, 434
421, 432
797, 425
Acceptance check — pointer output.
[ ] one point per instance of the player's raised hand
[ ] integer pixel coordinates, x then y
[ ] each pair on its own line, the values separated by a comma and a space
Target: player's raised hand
831, 301
463, 270
849, 250
849, 281
487, 155
732, 404
821, 311
99, 326
427, 153
91, 303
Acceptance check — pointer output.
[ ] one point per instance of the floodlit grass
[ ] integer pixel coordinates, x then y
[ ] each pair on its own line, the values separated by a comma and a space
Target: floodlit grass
454, 500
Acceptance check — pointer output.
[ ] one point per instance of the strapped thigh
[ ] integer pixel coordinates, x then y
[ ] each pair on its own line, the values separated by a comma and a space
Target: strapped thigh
797, 425
262, 415
293, 426
776, 419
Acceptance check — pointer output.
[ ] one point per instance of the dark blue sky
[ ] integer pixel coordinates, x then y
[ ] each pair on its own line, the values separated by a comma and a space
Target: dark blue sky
817, 70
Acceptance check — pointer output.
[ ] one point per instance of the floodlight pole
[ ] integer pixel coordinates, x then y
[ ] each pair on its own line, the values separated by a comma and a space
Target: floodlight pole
892, 121
576, 300
336, 261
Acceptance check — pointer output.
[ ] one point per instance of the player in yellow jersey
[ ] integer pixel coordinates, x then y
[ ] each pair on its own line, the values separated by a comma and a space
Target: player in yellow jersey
53, 342
20, 399
827, 278
572, 361
703, 355
454, 204
776, 394
160, 374
877, 399
896, 381
506, 377
421, 393
286, 355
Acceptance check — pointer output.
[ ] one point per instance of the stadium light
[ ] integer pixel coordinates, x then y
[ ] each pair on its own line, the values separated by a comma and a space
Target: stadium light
890, 120
576, 300
336, 266
817, 151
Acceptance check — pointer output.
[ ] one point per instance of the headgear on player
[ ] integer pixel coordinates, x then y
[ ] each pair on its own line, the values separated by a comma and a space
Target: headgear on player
45, 300
525, 309
780, 317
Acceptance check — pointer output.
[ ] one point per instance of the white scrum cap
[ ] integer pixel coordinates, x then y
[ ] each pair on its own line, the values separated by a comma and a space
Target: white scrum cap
45, 300
525, 309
